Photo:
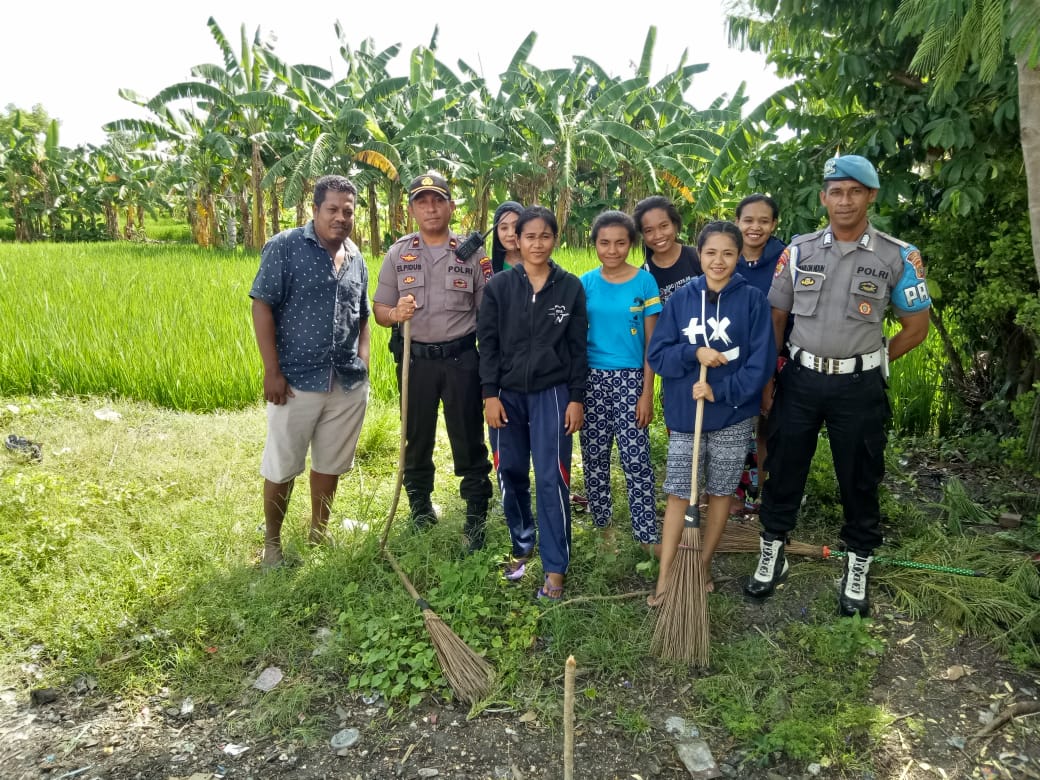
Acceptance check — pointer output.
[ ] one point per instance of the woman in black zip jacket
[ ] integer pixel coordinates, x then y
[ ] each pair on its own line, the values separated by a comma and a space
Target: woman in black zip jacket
532, 331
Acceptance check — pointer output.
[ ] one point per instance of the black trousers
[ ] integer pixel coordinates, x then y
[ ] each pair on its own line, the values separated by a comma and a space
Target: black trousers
855, 409
455, 382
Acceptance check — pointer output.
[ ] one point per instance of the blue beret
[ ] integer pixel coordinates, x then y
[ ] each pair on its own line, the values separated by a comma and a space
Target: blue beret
851, 166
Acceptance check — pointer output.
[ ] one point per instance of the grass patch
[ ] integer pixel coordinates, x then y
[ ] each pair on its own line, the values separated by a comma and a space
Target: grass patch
129, 554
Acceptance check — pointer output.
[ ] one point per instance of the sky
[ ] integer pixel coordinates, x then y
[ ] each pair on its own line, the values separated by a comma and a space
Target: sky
73, 57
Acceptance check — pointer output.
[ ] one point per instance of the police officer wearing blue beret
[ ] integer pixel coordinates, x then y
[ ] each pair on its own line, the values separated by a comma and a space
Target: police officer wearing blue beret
837, 282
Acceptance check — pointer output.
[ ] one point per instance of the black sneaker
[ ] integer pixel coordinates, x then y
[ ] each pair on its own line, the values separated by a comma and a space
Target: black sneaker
423, 514
475, 527
771, 570
853, 598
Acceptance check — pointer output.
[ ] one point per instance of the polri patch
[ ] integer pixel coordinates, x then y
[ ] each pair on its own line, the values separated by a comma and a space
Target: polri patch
865, 308
868, 287
781, 264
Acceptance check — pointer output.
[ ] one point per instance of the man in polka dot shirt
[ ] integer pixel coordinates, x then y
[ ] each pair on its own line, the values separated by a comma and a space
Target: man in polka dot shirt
310, 314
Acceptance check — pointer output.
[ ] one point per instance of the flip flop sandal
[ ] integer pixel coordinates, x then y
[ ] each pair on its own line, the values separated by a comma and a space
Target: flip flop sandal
514, 569
549, 592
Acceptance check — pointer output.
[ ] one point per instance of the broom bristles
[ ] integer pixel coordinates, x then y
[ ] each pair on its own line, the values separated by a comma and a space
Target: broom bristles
469, 675
744, 537
681, 632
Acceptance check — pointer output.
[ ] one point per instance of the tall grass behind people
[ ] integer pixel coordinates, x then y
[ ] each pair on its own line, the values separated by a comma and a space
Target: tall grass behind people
623, 304
722, 322
533, 333
670, 262
757, 217
505, 249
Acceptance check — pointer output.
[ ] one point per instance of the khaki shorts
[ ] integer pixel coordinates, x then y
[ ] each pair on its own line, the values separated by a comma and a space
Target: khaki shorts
328, 423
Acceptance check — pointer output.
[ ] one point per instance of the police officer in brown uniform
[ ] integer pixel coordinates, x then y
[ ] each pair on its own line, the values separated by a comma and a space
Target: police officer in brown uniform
423, 280
837, 283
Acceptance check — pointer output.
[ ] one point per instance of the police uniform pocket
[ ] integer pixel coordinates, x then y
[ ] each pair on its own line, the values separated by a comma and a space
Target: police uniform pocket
807, 290
413, 283
866, 299
458, 286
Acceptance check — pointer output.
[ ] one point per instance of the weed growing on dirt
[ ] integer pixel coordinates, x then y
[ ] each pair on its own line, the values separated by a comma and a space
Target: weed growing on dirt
800, 694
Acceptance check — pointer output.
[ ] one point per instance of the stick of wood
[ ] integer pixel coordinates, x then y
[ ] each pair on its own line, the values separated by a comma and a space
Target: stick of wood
568, 718
1016, 709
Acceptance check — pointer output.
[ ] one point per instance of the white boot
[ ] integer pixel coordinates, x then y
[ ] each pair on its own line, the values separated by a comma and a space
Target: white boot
853, 598
772, 568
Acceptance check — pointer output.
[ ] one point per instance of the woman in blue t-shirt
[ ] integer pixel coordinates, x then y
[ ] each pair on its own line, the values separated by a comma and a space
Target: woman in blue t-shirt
623, 303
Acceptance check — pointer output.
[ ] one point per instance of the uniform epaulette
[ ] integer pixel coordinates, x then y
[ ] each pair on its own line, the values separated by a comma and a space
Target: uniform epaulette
897, 241
805, 238
402, 239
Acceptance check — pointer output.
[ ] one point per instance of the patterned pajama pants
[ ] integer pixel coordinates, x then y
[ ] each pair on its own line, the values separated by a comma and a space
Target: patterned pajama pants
610, 413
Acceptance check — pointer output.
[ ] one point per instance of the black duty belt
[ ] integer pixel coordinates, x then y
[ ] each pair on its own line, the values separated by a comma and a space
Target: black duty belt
445, 349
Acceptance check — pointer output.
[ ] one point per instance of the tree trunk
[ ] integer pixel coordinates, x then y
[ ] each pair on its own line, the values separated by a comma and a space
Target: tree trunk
111, 221
259, 238
247, 225
374, 236
1029, 124
212, 223
276, 211
301, 205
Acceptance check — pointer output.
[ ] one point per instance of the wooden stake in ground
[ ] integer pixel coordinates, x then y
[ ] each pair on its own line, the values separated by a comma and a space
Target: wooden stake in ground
682, 632
469, 675
569, 670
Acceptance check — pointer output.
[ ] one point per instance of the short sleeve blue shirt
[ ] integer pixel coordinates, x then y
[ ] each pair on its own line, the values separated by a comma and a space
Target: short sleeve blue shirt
617, 316
318, 311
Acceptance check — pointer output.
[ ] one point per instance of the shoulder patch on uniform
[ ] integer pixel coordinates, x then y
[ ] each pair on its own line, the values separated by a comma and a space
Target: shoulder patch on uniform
486, 268
781, 262
914, 258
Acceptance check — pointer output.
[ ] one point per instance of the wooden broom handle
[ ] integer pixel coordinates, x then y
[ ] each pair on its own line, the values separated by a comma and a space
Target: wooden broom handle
406, 359
698, 423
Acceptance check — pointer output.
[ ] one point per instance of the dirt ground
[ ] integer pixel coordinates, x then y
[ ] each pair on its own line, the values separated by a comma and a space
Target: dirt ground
942, 690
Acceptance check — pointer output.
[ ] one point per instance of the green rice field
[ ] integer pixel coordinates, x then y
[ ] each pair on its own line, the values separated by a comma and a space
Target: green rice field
166, 324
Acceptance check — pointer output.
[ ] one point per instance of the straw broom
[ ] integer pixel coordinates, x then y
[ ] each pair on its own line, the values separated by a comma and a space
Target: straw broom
681, 632
743, 537
469, 675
